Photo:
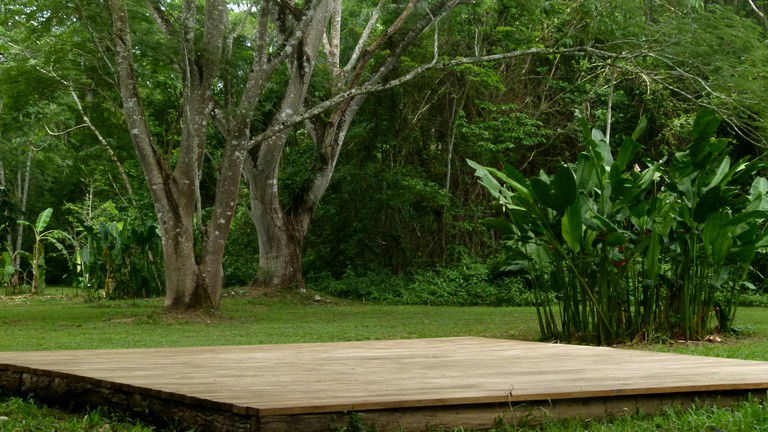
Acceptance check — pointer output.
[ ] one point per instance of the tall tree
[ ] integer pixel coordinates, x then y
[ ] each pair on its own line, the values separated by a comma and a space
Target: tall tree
193, 280
282, 230
286, 39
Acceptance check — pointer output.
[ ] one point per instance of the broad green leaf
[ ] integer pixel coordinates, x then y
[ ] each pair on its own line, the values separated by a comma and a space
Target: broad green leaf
515, 175
603, 223
717, 239
745, 171
749, 285
602, 147
615, 239
486, 176
721, 172
758, 195
620, 185
571, 226
543, 193
586, 176
742, 254
759, 187
652, 254
43, 219
517, 187
762, 240
648, 176
503, 226
746, 233
707, 204
85, 254
565, 186
627, 151
539, 253
720, 276
746, 216
641, 125
705, 125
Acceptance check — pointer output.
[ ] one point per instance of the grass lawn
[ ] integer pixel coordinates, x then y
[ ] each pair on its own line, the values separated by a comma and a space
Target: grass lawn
54, 324
61, 322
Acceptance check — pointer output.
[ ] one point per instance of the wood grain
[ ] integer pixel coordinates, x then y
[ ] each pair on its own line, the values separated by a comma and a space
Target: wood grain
280, 380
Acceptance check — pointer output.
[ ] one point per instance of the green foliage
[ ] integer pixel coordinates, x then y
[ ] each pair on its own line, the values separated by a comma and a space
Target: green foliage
357, 424
119, 255
634, 253
377, 217
27, 415
466, 284
499, 128
733, 76
242, 253
43, 236
752, 299
744, 416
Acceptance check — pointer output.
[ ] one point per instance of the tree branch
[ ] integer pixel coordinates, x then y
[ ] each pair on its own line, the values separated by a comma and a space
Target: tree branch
372, 87
160, 17
363, 39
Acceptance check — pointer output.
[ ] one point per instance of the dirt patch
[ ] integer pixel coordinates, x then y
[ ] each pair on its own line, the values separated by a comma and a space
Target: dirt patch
192, 316
26, 298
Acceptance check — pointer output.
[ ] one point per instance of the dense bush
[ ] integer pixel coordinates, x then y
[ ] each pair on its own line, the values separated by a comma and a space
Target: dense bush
468, 284
635, 252
241, 259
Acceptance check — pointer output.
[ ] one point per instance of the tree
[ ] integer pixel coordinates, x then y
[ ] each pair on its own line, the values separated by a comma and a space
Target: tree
286, 39
208, 87
282, 229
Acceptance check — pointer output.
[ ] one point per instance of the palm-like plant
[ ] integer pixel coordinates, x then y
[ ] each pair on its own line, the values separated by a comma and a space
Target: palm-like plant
42, 236
628, 252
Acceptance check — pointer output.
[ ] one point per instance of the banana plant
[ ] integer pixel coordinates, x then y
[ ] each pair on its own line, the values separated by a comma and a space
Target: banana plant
42, 236
9, 272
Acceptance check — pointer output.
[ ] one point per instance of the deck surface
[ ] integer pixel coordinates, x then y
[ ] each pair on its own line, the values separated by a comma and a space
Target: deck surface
269, 380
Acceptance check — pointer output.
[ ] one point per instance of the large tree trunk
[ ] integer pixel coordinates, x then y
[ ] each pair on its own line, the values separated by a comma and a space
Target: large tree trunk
281, 232
192, 281
281, 238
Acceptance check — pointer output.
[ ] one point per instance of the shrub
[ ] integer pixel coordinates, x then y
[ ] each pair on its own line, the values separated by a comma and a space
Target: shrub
632, 252
467, 284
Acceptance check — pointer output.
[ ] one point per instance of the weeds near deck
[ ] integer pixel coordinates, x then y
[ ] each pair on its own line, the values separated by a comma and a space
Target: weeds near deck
357, 424
17, 414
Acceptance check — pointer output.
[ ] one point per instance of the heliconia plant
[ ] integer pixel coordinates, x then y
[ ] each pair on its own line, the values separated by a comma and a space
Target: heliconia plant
616, 252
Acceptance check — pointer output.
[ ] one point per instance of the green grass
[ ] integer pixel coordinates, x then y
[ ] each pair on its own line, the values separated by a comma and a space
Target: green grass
743, 417
17, 414
35, 324
61, 322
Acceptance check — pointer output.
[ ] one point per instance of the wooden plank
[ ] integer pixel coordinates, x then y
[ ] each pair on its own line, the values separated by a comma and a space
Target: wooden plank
279, 380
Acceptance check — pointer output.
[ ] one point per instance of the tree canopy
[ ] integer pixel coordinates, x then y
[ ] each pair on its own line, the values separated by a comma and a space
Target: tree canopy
256, 141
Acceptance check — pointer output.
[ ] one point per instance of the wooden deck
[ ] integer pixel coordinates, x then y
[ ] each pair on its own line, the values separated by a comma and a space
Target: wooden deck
414, 384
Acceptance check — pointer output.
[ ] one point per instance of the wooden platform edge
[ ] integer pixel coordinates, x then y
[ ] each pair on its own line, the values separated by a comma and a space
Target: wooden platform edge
744, 389
24, 380
182, 412
493, 415
162, 408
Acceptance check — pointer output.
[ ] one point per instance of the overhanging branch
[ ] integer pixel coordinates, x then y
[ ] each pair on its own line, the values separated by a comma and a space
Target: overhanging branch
377, 87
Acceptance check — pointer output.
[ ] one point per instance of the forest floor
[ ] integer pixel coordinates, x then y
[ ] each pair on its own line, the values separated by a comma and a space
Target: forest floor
60, 319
